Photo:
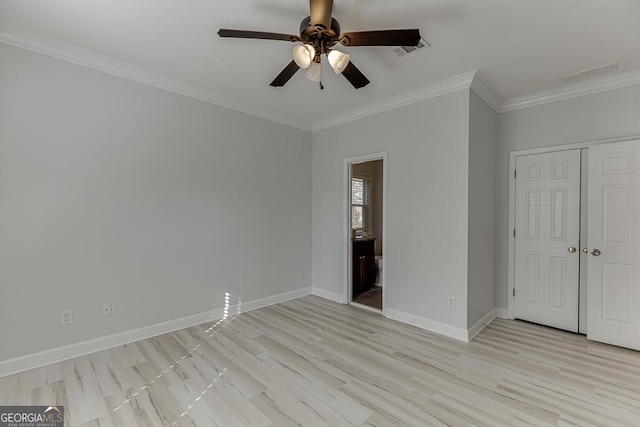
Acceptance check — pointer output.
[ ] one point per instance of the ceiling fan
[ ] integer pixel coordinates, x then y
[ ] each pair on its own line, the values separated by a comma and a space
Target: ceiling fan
319, 33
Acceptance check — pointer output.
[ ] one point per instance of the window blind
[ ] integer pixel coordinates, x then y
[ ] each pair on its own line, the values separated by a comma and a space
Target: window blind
359, 203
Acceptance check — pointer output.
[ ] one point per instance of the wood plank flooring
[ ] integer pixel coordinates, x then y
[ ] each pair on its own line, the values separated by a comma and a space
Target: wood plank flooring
311, 362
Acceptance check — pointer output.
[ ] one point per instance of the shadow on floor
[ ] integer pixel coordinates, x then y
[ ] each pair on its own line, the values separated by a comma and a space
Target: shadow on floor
371, 298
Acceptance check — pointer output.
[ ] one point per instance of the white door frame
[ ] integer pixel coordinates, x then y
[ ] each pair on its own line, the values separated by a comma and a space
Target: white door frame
512, 204
346, 224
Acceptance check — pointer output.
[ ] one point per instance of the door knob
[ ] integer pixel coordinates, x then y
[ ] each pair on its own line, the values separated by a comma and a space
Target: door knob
595, 252
585, 250
572, 250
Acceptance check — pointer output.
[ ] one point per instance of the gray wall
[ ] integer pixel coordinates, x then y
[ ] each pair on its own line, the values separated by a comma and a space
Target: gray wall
483, 142
112, 191
605, 115
427, 146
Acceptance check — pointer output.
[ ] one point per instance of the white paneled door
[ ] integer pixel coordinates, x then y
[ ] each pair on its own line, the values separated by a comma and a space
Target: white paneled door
614, 244
547, 257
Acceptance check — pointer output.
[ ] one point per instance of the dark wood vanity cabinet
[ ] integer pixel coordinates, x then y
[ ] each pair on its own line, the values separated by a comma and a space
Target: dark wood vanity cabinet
364, 265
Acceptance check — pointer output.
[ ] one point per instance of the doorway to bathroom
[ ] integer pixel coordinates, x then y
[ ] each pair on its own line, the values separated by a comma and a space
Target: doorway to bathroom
365, 284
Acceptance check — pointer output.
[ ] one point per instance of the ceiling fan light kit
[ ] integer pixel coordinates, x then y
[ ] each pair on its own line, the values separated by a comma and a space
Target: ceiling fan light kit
303, 55
338, 60
319, 33
314, 72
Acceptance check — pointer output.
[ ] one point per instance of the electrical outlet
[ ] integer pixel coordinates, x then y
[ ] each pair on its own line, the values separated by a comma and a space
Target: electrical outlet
300, 273
66, 317
451, 301
106, 310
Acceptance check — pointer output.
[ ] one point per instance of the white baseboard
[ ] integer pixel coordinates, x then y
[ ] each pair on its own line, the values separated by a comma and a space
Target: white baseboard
454, 332
411, 319
480, 324
275, 299
365, 307
331, 296
502, 313
36, 360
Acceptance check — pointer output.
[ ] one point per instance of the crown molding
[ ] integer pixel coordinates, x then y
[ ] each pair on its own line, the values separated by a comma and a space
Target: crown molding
443, 87
481, 86
602, 84
47, 46
474, 79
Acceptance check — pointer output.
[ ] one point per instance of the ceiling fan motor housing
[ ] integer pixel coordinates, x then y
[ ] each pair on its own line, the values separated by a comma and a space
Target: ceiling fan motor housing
326, 36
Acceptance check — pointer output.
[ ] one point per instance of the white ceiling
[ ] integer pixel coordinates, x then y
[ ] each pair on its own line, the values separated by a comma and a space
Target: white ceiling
520, 46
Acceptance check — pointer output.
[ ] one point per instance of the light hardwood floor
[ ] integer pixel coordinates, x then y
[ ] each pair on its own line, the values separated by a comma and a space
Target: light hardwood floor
311, 362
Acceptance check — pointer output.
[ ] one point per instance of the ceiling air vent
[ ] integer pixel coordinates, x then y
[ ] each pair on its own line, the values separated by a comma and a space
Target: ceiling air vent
590, 73
404, 50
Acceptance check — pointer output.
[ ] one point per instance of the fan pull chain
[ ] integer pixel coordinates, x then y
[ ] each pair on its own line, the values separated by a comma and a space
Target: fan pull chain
321, 85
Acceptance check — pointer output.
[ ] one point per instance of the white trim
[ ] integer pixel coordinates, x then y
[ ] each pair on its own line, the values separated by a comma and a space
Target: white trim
346, 233
274, 299
385, 256
328, 295
502, 313
480, 85
512, 204
454, 332
511, 245
346, 224
47, 357
59, 354
47, 46
481, 324
365, 307
443, 87
602, 84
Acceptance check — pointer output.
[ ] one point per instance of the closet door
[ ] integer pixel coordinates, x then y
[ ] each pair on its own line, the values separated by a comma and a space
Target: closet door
614, 244
547, 259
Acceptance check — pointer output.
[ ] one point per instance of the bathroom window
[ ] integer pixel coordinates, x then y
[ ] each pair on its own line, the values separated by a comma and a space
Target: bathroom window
360, 203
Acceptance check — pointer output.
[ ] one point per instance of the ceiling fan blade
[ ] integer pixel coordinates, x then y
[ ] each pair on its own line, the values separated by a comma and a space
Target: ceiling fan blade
285, 75
245, 34
381, 38
320, 11
355, 76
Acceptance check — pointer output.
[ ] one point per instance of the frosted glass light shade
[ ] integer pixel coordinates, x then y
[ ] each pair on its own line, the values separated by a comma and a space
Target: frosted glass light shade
303, 55
314, 73
338, 60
